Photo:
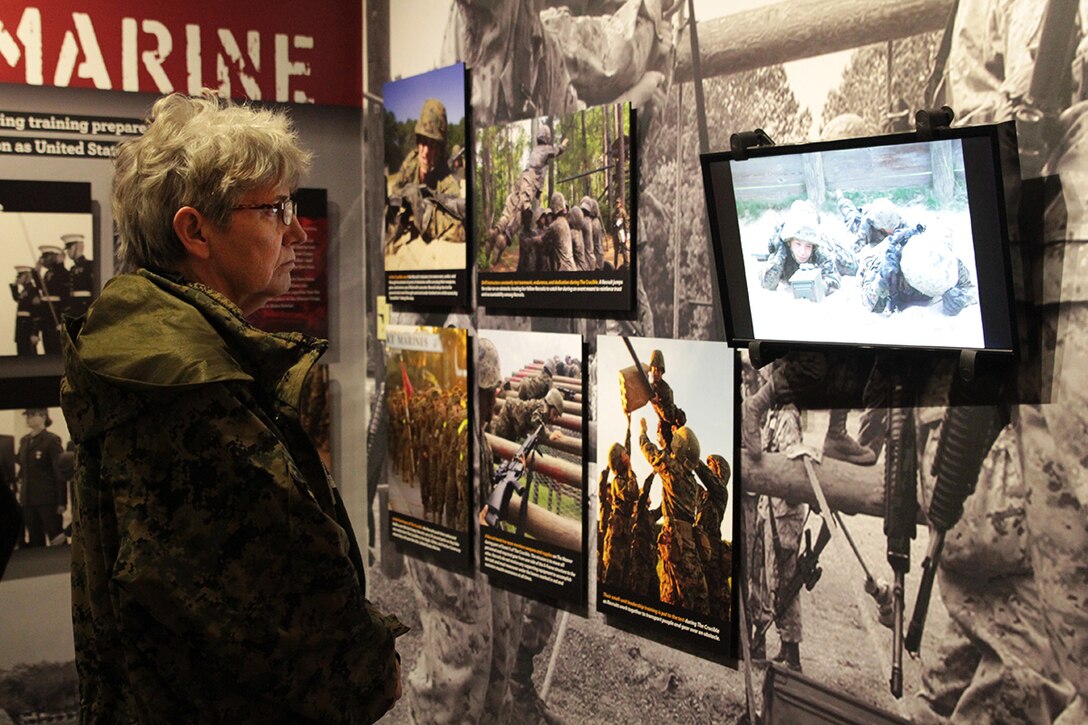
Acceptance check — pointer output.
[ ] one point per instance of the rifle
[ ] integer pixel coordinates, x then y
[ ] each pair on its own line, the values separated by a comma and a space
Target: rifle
504, 482
568, 393
807, 574
900, 509
413, 210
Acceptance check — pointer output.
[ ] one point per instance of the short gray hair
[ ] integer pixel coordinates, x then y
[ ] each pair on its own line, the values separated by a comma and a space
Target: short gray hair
202, 152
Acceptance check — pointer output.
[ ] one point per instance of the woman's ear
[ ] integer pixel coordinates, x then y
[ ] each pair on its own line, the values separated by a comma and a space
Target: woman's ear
189, 225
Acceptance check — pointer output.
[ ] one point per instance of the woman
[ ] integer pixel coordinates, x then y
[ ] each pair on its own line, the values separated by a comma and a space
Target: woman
215, 575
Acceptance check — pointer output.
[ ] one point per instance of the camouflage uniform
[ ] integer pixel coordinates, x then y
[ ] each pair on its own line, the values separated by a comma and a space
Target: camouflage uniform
642, 577
576, 220
519, 418
683, 583
668, 415
708, 536
535, 387
558, 244
623, 494
783, 429
781, 266
214, 573
585, 222
592, 211
993, 52
876, 293
526, 193
996, 665
425, 218
517, 68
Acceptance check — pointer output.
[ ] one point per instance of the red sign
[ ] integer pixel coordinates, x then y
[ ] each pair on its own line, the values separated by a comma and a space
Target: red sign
302, 52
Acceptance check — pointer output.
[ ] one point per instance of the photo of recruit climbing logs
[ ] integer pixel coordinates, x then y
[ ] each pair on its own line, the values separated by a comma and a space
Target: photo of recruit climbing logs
554, 211
665, 486
532, 419
428, 476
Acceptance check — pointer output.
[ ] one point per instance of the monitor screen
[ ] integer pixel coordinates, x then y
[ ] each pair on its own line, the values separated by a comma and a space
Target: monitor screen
889, 241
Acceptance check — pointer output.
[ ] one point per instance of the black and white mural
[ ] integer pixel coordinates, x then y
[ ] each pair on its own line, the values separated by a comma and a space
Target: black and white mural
1004, 633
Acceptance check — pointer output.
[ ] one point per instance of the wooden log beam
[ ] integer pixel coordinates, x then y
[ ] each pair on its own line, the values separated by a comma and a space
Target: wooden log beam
542, 524
551, 466
849, 489
563, 380
798, 29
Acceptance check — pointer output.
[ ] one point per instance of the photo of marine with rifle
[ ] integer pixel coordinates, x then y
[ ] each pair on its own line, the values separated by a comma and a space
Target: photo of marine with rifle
534, 489
665, 503
425, 202
888, 260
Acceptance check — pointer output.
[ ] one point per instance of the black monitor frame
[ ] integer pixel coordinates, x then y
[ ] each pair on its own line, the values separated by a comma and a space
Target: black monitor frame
986, 196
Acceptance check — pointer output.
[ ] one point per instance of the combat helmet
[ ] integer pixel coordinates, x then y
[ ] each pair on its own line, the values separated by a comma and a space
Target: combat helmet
801, 222
883, 214
846, 125
487, 365
685, 446
558, 203
657, 360
719, 465
616, 454
576, 215
928, 263
587, 206
555, 399
543, 135
432, 120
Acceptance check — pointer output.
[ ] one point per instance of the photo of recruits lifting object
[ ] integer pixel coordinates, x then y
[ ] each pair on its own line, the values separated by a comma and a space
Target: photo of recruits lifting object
427, 382
532, 415
665, 521
52, 276
553, 193
885, 260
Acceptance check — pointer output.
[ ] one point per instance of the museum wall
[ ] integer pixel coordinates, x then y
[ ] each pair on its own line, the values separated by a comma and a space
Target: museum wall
1000, 640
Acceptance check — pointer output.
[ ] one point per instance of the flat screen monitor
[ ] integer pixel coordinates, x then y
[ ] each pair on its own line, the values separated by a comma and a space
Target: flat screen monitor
886, 242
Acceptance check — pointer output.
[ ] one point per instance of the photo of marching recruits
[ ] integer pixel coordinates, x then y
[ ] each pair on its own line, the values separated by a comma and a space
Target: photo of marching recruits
888, 259
665, 515
428, 424
52, 272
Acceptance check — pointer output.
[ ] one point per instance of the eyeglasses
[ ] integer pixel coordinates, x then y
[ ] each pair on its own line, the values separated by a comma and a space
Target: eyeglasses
285, 209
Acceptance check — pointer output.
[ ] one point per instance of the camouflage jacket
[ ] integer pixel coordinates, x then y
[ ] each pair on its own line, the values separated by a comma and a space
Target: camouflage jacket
782, 265
519, 418
678, 487
418, 211
215, 576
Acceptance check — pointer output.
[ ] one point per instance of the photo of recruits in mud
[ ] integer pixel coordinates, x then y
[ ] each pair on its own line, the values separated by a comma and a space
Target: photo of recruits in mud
664, 527
428, 424
554, 193
531, 417
425, 171
879, 261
